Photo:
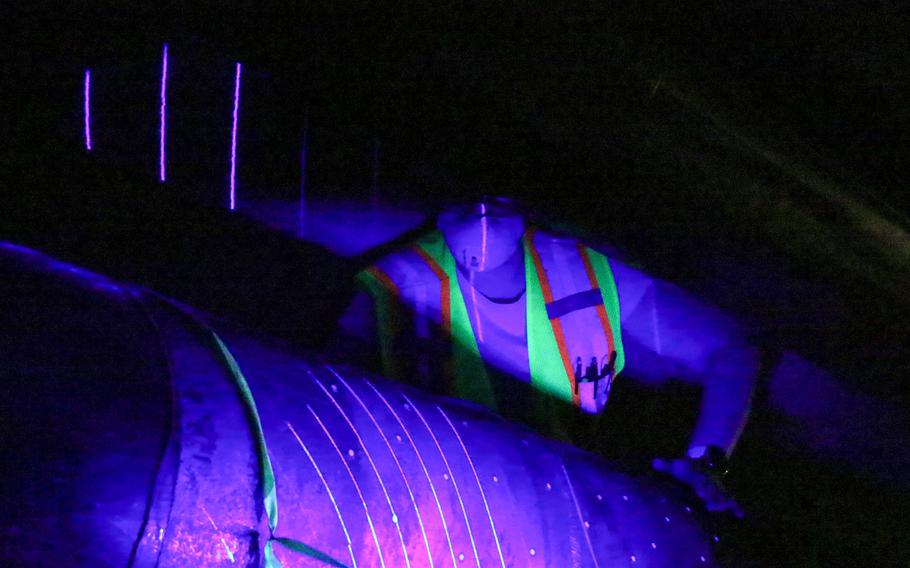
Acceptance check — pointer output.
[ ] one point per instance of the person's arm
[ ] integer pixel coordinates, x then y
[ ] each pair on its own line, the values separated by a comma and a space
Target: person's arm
668, 334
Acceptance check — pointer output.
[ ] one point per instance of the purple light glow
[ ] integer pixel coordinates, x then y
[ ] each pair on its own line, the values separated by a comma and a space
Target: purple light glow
87, 90
325, 484
372, 463
234, 137
388, 445
227, 549
473, 470
163, 112
581, 517
445, 462
363, 500
423, 466
483, 496
64, 269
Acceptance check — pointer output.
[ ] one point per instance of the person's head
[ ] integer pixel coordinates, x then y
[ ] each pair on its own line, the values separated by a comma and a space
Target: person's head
483, 233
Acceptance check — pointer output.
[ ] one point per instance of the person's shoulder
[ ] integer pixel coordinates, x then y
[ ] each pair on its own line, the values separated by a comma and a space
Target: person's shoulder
571, 242
631, 280
556, 239
630, 276
404, 266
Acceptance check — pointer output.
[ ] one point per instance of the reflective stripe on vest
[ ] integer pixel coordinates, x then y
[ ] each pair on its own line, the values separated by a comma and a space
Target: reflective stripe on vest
572, 312
466, 368
385, 296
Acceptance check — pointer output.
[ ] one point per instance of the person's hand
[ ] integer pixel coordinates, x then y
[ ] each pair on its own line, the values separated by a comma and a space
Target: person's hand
706, 484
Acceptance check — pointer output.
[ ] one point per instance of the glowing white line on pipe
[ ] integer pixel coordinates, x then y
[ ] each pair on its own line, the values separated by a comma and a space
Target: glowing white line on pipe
163, 113
234, 136
394, 457
87, 109
353, 479
328, 490
423, 466
581, 518
483, 496
366, 452
445, 462
227, 548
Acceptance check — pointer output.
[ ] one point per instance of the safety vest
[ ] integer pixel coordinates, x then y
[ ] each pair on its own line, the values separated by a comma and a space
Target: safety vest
572, 318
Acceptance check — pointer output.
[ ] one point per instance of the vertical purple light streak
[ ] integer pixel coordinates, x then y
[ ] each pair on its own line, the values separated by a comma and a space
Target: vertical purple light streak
344, 528
163, 112
483, 495
234, 137
423, 466
369, 456
363, 500
445, 462
388, 445
87, 109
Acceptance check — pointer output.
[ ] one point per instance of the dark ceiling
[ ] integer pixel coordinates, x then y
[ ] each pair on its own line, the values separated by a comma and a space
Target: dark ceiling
492, 85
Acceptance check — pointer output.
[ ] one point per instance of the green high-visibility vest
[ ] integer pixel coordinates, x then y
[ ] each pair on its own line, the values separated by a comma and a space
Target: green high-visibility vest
562, 279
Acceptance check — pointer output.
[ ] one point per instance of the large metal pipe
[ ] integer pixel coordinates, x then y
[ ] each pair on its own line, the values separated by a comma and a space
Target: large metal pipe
238, 450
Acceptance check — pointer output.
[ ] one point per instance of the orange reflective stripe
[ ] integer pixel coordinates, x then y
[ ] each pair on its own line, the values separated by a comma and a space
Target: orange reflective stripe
385, 293
555, 323
383, 279
445, 305
601, 308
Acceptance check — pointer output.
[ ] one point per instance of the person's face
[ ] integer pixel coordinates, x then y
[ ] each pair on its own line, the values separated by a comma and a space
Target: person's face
483, 235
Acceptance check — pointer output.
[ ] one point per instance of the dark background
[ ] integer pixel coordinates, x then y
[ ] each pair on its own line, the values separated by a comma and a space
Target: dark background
494, 91
755, 153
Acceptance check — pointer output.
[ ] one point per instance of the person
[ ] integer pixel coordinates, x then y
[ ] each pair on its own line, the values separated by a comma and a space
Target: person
537, 326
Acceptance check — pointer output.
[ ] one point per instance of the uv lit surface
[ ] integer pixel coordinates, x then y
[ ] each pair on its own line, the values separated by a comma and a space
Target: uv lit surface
367, 472
377, 475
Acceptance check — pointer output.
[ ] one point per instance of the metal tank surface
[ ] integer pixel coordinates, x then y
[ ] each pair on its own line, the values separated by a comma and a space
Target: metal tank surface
265, 457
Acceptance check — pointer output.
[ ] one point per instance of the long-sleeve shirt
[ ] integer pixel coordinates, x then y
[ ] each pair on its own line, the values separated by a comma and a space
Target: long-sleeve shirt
667, 334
